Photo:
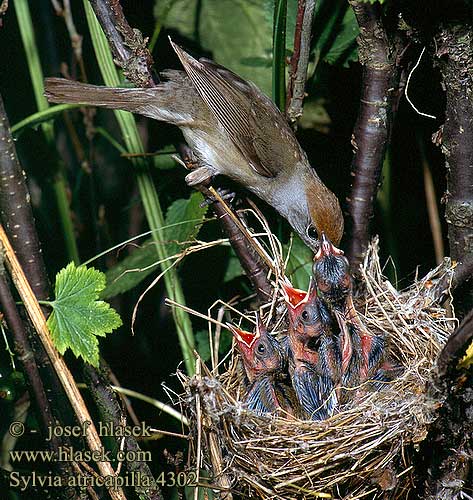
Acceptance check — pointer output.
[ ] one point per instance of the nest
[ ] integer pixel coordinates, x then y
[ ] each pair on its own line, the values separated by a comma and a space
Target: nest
364, 450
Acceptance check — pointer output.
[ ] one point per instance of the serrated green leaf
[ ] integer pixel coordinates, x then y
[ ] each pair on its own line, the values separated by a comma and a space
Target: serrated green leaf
78, 317
299, 265
183, 217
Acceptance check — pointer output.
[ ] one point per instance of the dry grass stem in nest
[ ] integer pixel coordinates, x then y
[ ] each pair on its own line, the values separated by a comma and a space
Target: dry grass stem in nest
364, 450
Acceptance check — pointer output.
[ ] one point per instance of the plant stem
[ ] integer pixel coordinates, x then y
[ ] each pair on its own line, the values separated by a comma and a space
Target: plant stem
36, 74
279, 54
300, 59
146, 187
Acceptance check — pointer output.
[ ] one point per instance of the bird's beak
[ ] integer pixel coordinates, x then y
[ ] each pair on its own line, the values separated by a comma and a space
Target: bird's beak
326, 248
293, 296
244, 338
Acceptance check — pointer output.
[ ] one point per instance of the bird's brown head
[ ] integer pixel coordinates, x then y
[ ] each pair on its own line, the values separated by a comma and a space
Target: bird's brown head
260, 351
331, 273
324, 212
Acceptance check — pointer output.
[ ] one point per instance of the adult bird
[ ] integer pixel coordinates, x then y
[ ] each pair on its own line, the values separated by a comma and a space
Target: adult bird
233, 129
264, 362
314, 358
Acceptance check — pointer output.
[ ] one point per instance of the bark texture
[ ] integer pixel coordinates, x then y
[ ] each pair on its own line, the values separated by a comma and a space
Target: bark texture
454, 53
378, 54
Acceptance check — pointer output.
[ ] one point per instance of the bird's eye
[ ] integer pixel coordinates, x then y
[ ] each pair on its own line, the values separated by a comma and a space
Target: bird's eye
261, 348
305, 315
312, 232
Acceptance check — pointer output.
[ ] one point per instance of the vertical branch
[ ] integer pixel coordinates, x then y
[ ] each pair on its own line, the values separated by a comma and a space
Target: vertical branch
16, 213
36, 388
105, 400
300, 59
454, 51
377, 54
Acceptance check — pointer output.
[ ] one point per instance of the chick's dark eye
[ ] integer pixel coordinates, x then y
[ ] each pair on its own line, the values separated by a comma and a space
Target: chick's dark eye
261, 348
305, 315
312, 232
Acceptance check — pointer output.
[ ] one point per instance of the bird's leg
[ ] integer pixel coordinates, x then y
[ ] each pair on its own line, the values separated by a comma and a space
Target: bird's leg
225, 194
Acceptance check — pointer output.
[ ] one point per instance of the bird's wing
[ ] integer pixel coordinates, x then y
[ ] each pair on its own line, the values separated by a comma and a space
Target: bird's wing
248, 117
261, 398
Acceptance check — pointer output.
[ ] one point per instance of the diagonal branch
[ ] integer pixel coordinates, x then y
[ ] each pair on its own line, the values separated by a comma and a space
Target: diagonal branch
456, 346
127, 44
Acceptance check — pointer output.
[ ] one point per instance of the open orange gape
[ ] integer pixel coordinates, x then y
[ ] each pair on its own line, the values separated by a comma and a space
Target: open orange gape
330, 399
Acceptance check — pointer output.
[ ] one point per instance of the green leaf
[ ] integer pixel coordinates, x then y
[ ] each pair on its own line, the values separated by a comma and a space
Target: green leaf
131, 270
234, 31
299, 266
334, 32
182, 224
344, 48
234, 269
203, 344
179, 236
78, 317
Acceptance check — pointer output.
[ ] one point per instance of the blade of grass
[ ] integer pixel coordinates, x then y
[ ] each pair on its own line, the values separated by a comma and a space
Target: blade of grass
149, 196
40, 117
37, 78
385, 204
432, 207
279, 54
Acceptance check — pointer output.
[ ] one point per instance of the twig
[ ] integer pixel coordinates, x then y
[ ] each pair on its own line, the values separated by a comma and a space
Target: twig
255, 266
16, 213
110, 411
300, 59
378, 55
39, 321
65, 12
406, 91
128, 46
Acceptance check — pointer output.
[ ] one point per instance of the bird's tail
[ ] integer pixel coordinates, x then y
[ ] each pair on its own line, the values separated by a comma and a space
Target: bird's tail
156, 102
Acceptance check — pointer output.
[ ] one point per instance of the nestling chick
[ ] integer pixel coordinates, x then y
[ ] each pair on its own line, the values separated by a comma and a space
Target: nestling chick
314, 358
234, 130
264, 362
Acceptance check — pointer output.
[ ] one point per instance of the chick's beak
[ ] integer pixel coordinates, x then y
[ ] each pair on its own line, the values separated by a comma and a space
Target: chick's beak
326, 248
293, 296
